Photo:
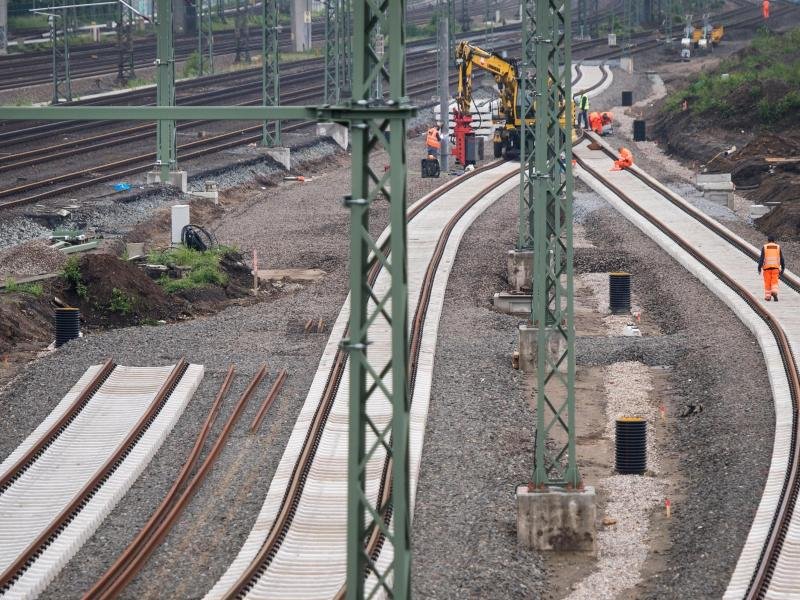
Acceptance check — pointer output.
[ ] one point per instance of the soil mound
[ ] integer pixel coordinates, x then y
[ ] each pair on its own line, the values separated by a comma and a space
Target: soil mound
783, 221
25, 322
117, 293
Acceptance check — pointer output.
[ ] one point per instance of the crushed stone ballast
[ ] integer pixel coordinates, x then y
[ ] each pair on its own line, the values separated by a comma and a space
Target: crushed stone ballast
726, 264
63, 480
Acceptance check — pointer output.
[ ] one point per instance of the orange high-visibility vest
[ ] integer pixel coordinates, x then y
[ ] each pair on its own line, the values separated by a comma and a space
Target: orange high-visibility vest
625, 155
432, 139
772, 256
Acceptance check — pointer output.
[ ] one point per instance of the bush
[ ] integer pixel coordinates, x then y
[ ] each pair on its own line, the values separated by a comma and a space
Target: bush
72, 275
191, 68
120, 302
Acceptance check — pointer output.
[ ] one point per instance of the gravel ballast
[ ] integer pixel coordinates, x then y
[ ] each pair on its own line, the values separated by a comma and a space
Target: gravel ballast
464, 525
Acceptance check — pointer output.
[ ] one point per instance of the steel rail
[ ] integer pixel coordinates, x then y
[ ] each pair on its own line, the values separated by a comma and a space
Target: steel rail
29, 556
112, 583
204, 144
268, 400
294, 489
376, 536
51, 435
139, 132
770, 552
172, 495
791, 280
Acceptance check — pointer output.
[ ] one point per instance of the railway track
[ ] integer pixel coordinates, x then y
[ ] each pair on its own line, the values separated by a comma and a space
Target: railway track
41, 189
95, 60
62, 481
279, 547
768, 565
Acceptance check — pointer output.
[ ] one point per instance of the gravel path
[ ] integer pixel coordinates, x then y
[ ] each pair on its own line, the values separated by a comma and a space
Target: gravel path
464, 534
721, 369
293, 225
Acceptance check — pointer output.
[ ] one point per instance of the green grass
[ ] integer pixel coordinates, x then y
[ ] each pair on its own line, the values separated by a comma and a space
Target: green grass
72, 275
772, 60
27, 22
32, 289
139, 82
120, 302
205, 270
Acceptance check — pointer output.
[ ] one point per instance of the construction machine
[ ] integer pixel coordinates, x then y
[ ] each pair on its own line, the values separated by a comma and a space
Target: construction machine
506, 135
507, 120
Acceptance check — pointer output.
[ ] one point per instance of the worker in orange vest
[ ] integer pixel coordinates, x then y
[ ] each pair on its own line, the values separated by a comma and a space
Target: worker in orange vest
765, 9
596, 122
625, 159
433, 141
771, 265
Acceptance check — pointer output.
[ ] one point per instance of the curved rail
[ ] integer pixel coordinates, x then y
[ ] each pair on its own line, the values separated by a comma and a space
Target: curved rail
771, 549
294, 489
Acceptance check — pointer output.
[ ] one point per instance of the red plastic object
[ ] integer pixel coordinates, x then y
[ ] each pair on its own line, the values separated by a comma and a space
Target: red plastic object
462, 129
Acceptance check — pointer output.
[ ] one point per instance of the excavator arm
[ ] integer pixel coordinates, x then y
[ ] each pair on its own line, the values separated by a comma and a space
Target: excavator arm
504, 71
469, 57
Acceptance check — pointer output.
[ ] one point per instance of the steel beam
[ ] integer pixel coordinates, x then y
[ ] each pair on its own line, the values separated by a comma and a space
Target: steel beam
445, 56
59, 42
125, 58
375, 380
270, 71
166, 154
332, 52
242, 32
583, 29
546, 189
3, 26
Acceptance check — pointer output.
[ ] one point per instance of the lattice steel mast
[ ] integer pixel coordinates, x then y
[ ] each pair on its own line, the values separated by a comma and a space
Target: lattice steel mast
270, 70
373, 377
546, 192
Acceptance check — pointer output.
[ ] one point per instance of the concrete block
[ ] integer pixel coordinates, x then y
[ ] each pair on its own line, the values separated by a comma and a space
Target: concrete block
719, 197
179, 179
281, 155
704, 178
180, 218
717, 186
520, 270
557, 519
210, 192
512, 304
134, 250
758, 210
529, 348
339, 133
626, 64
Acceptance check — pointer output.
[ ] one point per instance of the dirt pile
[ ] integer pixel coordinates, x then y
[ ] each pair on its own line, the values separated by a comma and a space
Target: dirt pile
25, 323
116, 293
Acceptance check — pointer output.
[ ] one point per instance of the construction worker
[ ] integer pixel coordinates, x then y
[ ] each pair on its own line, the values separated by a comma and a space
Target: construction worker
625, 159
433, 141
765, 9
771, 265
606, 126
583, 115
596, 122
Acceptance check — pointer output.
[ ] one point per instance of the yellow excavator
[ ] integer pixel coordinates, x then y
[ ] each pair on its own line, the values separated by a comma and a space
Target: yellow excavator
506, 135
